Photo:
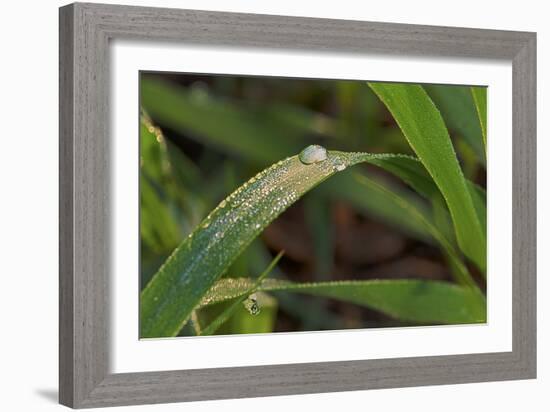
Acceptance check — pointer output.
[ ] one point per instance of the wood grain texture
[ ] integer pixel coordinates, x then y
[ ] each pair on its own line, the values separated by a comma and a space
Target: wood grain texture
85, 31
524, 206
66, 229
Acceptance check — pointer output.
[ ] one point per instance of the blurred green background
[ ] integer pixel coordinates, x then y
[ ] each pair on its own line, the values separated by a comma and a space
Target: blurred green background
202, 136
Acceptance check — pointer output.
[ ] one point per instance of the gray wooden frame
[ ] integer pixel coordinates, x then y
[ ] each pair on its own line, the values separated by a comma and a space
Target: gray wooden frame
85, 31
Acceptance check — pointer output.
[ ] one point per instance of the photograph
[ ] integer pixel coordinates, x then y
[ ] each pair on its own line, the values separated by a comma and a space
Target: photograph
260, 206
272, 204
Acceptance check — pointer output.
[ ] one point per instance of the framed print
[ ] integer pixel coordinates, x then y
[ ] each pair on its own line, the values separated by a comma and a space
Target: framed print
257, 205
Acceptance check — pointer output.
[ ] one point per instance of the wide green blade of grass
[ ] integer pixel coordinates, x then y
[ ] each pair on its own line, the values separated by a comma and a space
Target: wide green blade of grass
419, 301
423, 126
169, 298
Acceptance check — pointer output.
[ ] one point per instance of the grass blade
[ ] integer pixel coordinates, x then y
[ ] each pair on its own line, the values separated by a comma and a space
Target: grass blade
411, 171
227, 313
158, 228
177, 104
167, 301
458, 110
372, 202
419, 301
411, 212
425, 131
480, 99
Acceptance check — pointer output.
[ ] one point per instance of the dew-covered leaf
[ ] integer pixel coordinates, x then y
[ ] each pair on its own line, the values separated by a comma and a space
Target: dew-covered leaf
167, 301
252, 307
418, 301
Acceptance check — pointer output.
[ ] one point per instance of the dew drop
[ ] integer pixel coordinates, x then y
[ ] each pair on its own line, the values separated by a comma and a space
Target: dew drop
251, 305
313, 154
339, 166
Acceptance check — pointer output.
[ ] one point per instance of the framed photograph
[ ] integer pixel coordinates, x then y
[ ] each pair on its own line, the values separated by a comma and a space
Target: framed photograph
256, 205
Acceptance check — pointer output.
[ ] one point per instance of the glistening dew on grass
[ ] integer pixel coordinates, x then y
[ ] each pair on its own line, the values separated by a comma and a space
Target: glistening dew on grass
202, 285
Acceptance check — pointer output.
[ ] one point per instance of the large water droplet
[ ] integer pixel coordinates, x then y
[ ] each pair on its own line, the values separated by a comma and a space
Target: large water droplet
251, 305
313, 154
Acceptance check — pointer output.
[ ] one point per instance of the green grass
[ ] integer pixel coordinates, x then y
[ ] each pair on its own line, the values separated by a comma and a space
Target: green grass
418, 301
426, 132
200, 259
